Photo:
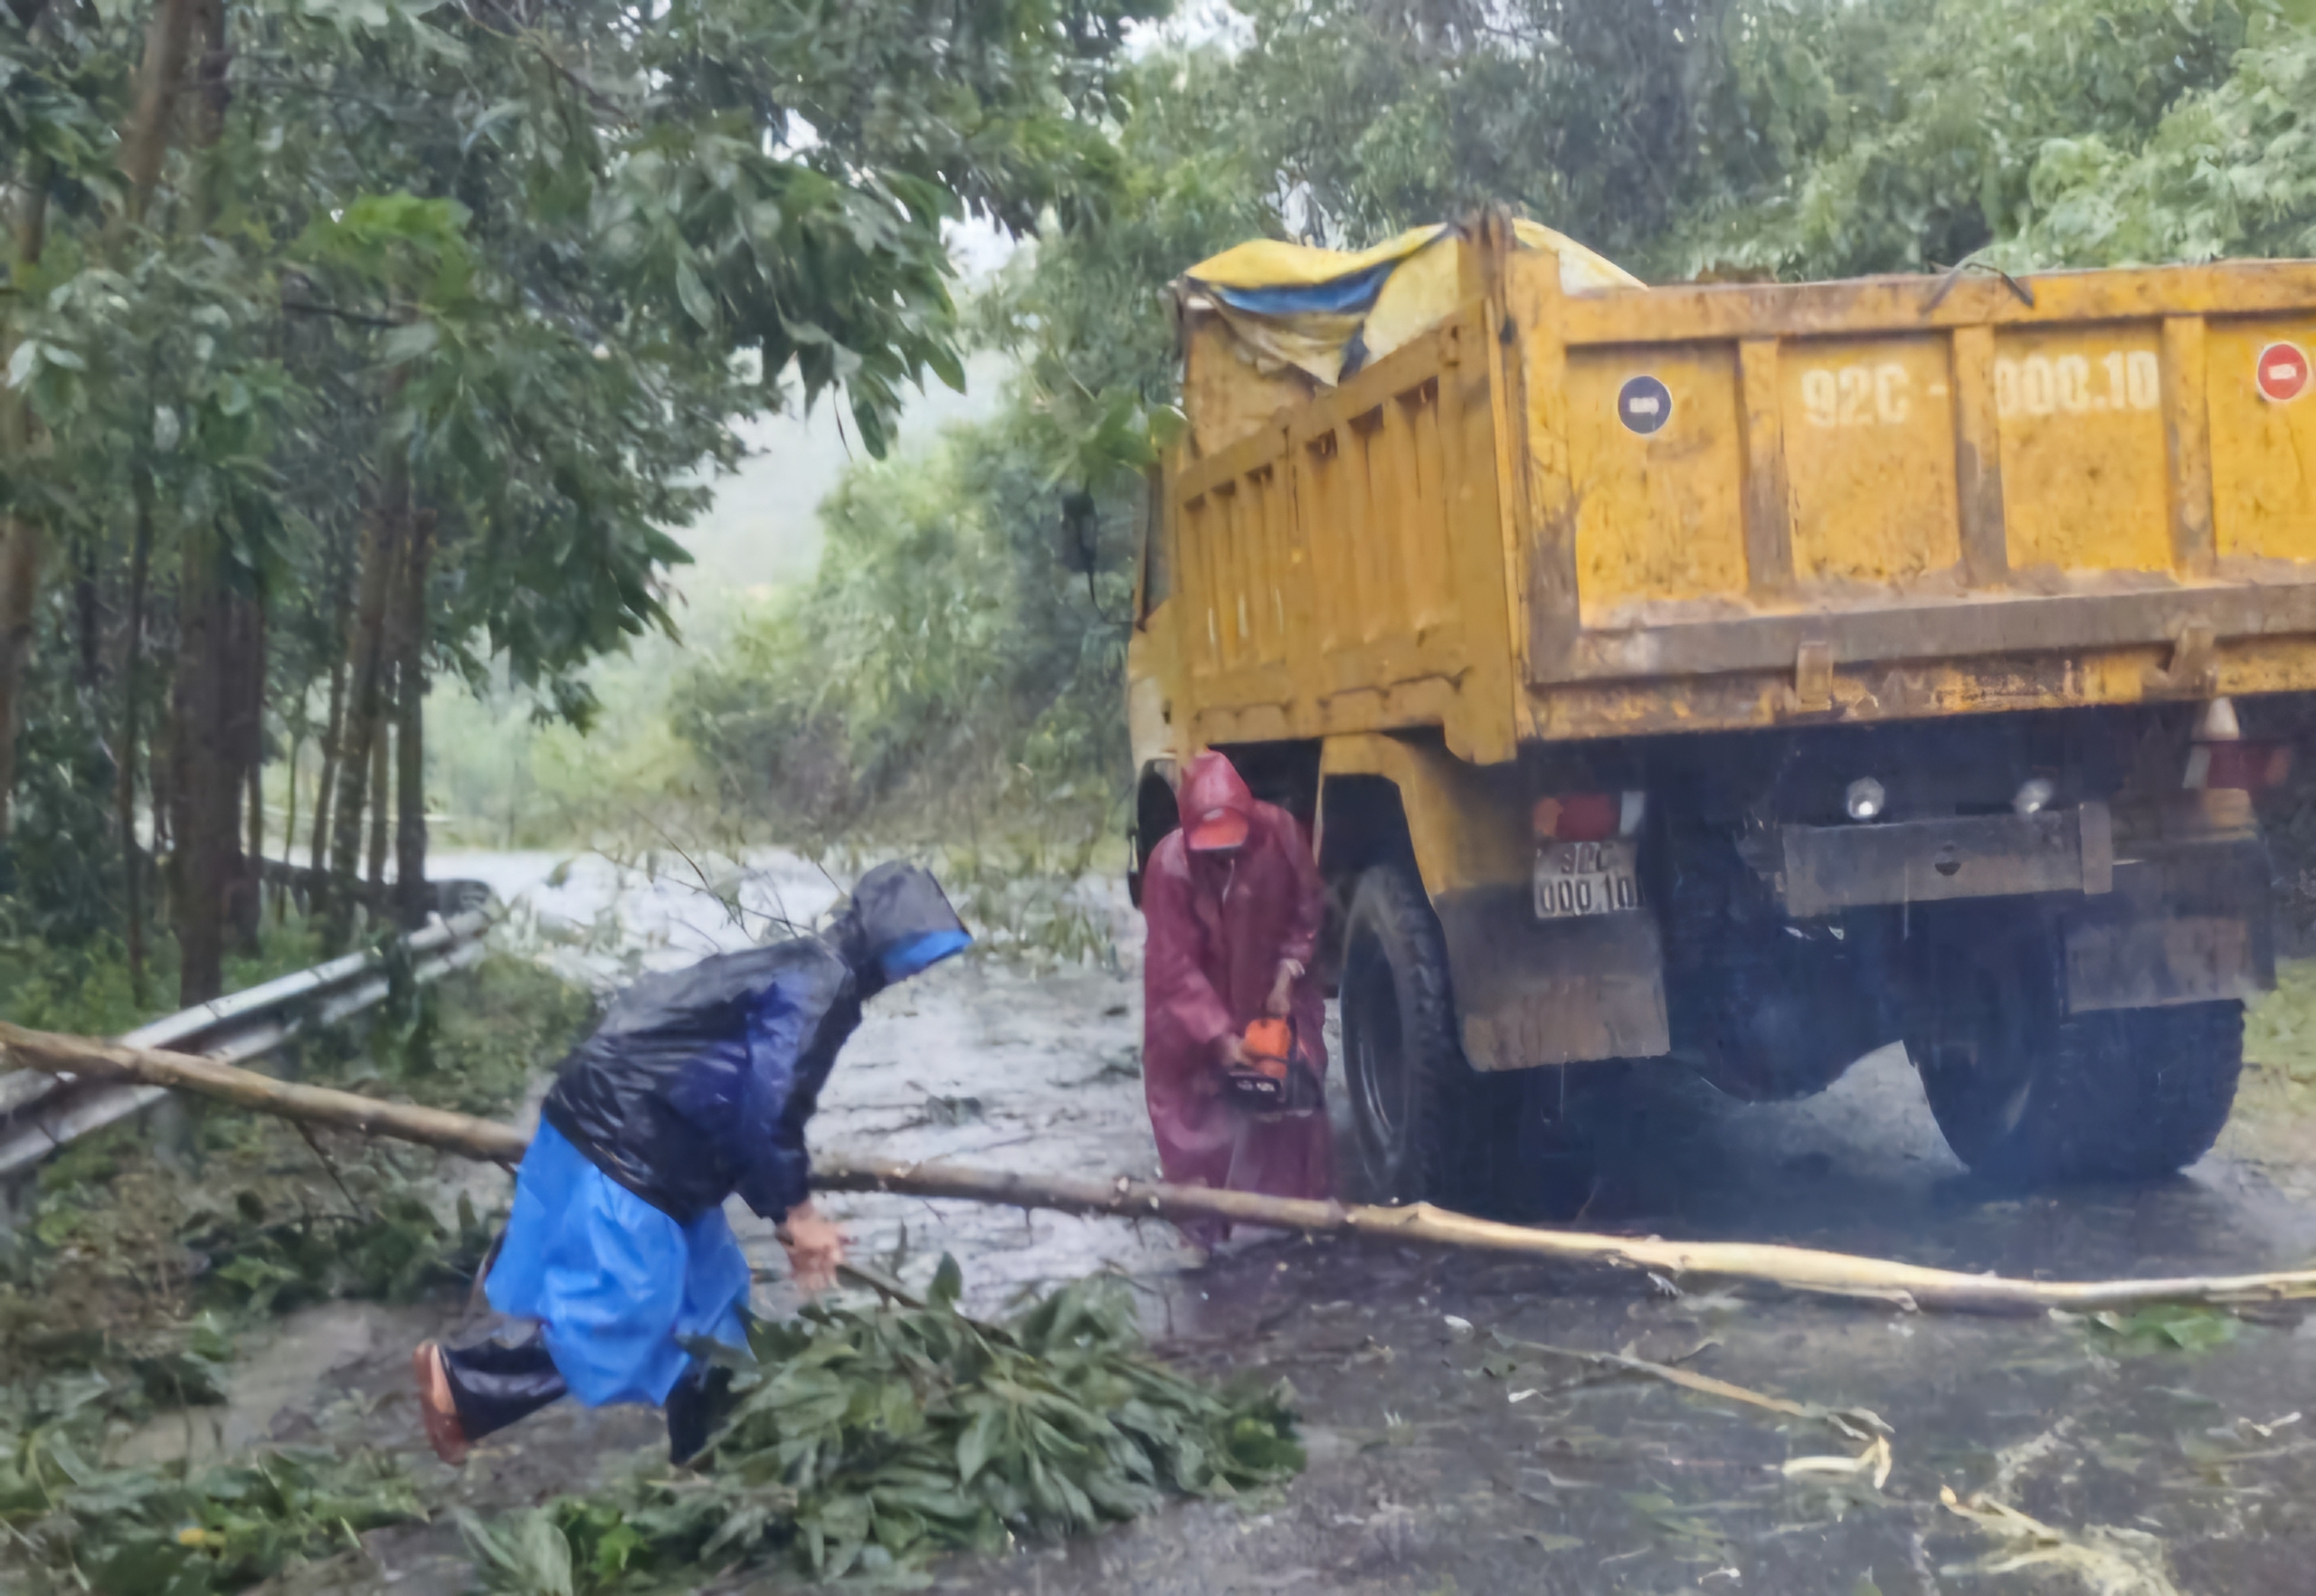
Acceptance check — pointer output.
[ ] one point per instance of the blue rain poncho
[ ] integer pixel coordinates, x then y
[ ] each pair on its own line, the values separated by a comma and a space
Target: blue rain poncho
695, 1086
618, 1287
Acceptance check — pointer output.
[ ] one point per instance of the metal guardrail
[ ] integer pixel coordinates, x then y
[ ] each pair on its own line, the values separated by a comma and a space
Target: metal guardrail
41, 1113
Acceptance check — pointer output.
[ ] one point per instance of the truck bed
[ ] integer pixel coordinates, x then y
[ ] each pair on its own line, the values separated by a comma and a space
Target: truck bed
1707, 507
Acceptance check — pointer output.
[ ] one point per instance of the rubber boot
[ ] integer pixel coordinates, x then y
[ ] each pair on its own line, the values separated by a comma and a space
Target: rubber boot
493, 1385
698, 1404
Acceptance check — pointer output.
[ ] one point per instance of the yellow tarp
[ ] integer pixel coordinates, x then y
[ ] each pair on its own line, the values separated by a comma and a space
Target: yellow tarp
1270, 262
1295, 305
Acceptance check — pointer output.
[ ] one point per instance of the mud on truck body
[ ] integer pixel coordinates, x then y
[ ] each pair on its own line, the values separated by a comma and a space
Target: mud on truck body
1751, 676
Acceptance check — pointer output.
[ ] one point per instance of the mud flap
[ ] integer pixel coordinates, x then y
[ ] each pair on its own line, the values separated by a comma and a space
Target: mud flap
2188, 922
2155, 964
1537, 991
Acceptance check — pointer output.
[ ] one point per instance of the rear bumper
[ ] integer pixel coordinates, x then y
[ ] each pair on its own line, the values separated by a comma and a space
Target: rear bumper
2183, 916
1830, 868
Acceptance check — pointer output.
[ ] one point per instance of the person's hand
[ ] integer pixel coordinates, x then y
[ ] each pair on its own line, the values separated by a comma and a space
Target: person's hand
815, 1247
1231, 1052
1282, 990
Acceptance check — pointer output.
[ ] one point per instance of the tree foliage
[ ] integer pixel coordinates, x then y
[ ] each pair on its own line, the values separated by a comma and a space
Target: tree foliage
349, 341
1754, 138
935, 659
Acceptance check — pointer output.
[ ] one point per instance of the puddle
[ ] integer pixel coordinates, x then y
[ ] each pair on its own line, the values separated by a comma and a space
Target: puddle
278, 1368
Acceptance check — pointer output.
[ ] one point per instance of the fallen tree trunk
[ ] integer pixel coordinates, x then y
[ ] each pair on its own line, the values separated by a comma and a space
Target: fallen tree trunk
1796, 1268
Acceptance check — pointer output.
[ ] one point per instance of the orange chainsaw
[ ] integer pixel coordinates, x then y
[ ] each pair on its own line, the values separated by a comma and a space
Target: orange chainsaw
1276, 1079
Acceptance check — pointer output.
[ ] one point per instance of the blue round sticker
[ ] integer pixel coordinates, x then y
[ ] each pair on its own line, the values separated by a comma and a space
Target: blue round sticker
1644, 404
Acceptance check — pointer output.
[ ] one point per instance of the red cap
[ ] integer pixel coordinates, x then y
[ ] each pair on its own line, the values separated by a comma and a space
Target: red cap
1218, 831
1215, 805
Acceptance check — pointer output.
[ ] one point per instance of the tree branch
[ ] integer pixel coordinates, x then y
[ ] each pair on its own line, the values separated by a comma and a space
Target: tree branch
1883, 1281
357, 318
146, 140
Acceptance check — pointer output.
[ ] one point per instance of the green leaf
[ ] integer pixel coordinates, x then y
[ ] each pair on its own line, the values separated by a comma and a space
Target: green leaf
529, 1556
2170, 1327
699, 303
976, 1444
408, 342
23, 362
946, 366
504, 110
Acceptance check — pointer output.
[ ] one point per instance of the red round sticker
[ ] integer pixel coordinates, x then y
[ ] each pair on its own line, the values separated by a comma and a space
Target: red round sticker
2283, 373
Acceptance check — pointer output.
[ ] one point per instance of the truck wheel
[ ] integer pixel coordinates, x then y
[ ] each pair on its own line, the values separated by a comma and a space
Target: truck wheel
1418, 1111
2029, 1097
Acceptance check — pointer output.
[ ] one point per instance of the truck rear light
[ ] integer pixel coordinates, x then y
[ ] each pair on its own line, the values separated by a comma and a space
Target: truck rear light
1588, 817
2250, 767
2220, 759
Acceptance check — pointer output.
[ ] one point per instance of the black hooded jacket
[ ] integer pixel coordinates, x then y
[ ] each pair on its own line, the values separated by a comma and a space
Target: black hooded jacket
699, 1082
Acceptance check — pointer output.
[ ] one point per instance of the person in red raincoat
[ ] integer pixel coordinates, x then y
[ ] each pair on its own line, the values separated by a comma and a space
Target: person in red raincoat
1234, 906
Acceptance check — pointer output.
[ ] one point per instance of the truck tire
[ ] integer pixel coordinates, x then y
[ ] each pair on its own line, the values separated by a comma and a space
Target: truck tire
2027, 1097
1427, 1126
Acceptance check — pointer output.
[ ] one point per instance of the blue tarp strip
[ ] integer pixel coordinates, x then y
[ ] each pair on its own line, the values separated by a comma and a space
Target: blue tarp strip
1340, 295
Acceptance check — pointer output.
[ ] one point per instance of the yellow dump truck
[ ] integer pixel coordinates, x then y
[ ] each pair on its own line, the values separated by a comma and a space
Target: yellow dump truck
1749, 676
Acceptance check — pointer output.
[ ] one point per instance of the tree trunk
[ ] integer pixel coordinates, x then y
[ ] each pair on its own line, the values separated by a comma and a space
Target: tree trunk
381, 785
332, 729
289, 823
21, 541
221, 650
365, 665
1882, 1282
247, 751
88, 615
21, 536
202, 788
411, 896
160, 795
140, 559
215, 631
214, 93
168, 38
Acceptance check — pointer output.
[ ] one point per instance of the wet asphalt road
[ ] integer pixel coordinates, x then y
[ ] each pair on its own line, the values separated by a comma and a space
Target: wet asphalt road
1450, 1454
1447, 1459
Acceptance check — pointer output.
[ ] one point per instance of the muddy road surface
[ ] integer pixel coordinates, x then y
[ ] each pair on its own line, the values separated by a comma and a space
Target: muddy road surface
1454, 1448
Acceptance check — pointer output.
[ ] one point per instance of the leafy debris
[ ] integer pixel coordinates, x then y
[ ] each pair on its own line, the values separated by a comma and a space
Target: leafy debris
2168, 1327
864, 1440
74, 1523
2109, 1562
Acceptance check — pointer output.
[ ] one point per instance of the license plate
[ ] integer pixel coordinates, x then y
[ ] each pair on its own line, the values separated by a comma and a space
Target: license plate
1576, 879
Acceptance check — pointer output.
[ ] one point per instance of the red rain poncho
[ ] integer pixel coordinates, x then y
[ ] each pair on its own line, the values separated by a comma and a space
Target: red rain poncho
1219, 925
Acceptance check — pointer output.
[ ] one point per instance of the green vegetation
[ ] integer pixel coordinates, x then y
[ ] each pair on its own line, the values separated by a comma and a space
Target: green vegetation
135, 1257
78, 1525
955, 670
934, 656
84, 986
124, 1285
2172, 1327
2280, 1028
345, 346
865, 1440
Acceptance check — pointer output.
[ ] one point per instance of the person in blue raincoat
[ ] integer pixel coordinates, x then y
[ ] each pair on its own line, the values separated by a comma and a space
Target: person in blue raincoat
696, 1088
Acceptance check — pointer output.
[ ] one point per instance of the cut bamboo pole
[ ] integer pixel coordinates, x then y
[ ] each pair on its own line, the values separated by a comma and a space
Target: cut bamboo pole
462, 1134
1796, 1268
